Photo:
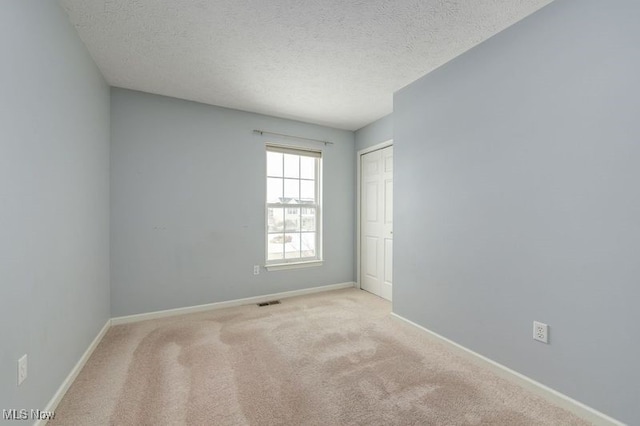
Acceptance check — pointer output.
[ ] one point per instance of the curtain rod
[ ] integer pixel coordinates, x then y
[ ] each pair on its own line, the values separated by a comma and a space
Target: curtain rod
262, 132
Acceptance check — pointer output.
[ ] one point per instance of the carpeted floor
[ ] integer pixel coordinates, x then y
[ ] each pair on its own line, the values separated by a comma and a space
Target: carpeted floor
334, 358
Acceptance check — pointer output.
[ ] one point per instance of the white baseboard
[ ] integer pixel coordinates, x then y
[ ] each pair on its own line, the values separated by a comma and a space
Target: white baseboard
227, 304
68, 381
579, 409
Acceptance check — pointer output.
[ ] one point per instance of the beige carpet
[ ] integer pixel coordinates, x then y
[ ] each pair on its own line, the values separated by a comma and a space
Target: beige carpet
333, 358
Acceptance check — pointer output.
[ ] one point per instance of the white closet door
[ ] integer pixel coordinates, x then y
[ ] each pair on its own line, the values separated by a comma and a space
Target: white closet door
376, 222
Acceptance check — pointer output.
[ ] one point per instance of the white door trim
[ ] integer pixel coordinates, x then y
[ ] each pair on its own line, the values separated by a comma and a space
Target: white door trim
359, 155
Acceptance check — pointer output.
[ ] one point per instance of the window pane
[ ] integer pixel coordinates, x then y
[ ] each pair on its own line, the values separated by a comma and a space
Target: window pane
307, 190
291, 166
307, 167
274, 164
292, 219
292, 246
308, 244
274, 190
292, 190
308, 219
275, 219
275, 246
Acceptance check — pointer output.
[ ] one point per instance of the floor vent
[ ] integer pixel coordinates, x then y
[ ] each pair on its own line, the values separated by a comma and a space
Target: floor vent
271, 302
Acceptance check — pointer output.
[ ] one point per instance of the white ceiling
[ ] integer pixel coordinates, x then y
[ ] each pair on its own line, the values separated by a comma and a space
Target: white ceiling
330, 62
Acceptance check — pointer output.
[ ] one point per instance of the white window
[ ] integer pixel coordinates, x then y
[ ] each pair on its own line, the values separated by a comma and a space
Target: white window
293, 206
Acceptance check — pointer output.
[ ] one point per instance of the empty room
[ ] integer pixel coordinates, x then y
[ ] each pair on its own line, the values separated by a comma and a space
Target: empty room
410, 212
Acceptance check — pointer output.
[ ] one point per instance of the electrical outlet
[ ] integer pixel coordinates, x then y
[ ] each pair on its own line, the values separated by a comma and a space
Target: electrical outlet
22, 369
540, 332
256, 269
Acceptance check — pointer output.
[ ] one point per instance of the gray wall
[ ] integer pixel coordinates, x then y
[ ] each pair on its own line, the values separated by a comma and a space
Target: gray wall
187, 204
54, 195
374, 133
517, 199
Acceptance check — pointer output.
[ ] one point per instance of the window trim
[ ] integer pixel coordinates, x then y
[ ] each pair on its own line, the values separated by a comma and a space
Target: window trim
307, 262
293, 265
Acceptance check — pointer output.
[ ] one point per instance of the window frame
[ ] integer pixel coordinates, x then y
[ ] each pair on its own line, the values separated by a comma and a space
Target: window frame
317, 260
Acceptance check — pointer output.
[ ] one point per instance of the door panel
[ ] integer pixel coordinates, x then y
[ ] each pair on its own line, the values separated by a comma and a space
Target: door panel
371, 268
372, 201
388, 261
376, 222
388, 201
388, 160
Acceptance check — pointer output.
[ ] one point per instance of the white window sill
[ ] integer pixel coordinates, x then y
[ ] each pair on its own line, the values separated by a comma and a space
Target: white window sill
296, 265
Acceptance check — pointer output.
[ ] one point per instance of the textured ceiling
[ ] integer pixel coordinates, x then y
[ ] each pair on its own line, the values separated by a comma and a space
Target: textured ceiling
330, 62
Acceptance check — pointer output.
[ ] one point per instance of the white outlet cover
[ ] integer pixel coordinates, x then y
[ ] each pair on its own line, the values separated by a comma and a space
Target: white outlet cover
22, 369
540, 332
